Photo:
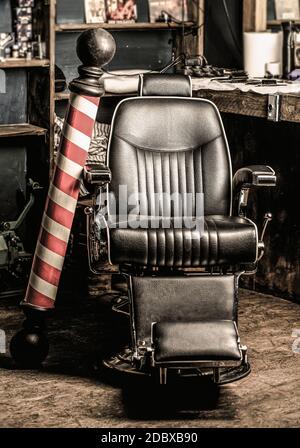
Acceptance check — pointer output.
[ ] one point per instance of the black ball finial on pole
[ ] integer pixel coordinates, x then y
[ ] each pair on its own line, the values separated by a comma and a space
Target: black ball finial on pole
95, 48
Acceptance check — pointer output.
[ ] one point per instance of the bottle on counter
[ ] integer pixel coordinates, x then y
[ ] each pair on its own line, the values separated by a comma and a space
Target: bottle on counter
288, 60
15, 51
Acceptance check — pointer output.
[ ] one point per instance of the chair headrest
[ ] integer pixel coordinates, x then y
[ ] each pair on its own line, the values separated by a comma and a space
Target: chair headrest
156, 84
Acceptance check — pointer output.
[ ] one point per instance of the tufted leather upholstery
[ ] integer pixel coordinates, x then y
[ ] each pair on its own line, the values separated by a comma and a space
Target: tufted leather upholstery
224, 241
179, 342
189, 299
165, 85
175, 145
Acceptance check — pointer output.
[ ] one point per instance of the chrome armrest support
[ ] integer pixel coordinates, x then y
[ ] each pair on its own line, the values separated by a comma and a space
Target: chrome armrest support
245, 179
96, 175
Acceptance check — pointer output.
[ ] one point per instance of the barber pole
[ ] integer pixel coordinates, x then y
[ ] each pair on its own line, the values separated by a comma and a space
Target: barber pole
95, 48
61, 202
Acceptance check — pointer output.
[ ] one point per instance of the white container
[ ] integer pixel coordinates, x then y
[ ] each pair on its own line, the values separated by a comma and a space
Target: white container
261, 49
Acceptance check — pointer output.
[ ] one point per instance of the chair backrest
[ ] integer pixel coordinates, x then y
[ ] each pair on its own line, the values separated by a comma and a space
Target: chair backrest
170, 144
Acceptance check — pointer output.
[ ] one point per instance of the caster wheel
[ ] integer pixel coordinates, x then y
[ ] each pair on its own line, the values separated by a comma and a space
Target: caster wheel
29, 348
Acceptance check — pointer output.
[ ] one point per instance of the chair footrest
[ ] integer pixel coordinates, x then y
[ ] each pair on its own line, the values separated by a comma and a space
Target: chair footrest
209, 343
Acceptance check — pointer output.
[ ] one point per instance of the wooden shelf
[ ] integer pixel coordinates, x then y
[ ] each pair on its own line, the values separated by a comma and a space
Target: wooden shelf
279, 22
23, 63
61, 27
63, 96
19, 130
252, 104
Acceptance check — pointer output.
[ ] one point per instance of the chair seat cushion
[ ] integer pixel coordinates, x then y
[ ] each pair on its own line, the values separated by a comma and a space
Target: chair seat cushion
224, 240
179, 342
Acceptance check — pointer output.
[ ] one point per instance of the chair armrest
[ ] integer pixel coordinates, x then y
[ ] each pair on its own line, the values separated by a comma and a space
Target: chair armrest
245, 179
96, 174
254, 176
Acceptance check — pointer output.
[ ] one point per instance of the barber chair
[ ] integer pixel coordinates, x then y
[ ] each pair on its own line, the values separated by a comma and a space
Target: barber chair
169, 212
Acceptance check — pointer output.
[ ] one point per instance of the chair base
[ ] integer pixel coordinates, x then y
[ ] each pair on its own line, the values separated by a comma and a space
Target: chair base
122, 364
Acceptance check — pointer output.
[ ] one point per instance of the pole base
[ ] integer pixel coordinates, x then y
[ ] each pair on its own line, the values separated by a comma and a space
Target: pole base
122, 364
30, 347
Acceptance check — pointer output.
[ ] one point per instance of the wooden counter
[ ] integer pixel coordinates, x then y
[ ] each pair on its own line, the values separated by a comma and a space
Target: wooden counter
252, 104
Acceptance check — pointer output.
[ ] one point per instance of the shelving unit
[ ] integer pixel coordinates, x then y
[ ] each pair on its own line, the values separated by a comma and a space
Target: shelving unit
23, 63
255, 16
41, 99
41, 96
120, 26
64, 32
26, 128
63, 96
26, 116
29, 107
271, 23
21, 130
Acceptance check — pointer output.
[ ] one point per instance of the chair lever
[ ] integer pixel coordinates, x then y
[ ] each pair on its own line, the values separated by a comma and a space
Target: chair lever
267, 219
261, 246
97, 174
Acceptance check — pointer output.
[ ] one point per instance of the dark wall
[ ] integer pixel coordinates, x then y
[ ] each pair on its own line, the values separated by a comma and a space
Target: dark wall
13, 99
223, 40
271, 10
5, 17
149, 50
12, 179
258, 141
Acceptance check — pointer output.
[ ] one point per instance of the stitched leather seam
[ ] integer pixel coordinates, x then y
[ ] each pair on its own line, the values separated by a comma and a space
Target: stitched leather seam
178, 177
170, 186
194, 180
146, 179
208, 242
138, 175
182, 250
185, 210
162, 186
148, 248
146, 148
217, 240
156, 252
201, 171
155, 187
165, 246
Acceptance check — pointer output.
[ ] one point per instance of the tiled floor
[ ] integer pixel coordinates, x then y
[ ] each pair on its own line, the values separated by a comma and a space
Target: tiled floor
71, 391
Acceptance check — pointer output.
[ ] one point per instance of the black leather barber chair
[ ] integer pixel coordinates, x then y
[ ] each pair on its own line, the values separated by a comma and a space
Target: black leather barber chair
178, 230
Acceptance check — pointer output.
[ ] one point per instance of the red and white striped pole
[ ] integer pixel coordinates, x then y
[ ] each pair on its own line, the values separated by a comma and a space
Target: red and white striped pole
95, 48
61, 202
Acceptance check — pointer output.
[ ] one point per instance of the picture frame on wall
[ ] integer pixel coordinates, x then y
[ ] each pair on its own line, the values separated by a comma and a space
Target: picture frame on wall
172, 7
70, 11
121, 11
287, 9
95, 11
271, 14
